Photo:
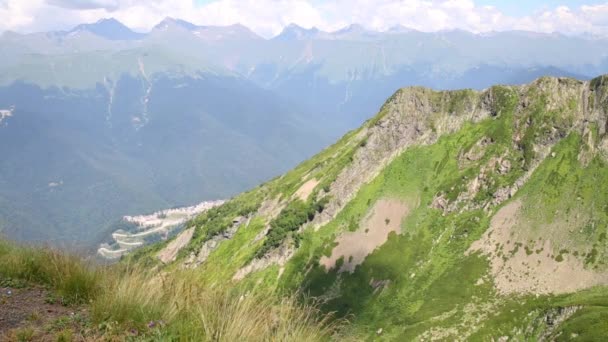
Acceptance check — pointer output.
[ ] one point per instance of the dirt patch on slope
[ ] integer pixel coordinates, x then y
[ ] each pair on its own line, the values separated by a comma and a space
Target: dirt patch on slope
31, 309
521, 267
306, 189
384, 218
169, 253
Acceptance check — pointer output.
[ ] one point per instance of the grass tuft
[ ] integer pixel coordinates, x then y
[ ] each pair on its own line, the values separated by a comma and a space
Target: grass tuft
75, 281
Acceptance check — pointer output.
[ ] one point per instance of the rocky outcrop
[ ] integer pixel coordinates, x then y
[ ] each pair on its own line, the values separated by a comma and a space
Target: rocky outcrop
568, 105
475, 153
554, 318
278, 256
411, 116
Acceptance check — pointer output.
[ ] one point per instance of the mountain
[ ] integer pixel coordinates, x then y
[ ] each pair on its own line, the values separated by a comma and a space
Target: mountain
355, 32
400, 29
452, 215
111, 29
294, 32
169, 23
236, 32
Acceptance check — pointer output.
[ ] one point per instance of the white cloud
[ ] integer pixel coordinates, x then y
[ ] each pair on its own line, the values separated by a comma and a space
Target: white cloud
268, 17
109, 5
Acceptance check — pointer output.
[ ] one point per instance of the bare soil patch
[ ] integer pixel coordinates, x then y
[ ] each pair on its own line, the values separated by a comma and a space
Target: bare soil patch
32, 312
384, 218
521, 267
306, 189
169, 253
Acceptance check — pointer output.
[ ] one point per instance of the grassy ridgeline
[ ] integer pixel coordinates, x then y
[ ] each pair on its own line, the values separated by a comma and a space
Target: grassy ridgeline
123, 299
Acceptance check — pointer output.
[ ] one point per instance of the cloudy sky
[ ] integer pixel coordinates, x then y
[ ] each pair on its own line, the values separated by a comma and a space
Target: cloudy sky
268, 17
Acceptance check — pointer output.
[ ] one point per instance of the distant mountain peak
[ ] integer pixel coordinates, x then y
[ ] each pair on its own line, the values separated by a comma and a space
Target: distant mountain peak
108, 21
400, 29
240, 31
235, 31
10, 34
294, 26
355, 31
239, 26
352, 28
108, 28
296, 32
173, 22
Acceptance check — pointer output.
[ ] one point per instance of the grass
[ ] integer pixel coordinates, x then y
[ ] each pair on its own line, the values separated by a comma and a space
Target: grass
176, 307
75, 281
65, 336
126, 300
416, 176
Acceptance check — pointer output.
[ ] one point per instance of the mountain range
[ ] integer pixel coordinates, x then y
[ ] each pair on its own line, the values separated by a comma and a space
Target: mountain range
101, 121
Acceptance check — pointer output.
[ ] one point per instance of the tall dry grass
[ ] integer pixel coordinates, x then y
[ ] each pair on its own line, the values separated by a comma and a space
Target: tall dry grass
167, 306
174, 306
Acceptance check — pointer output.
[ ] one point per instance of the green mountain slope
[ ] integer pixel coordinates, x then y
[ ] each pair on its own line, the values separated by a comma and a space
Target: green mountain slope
450, 215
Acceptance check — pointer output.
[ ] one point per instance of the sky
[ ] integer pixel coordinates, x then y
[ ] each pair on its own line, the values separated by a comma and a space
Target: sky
268, 17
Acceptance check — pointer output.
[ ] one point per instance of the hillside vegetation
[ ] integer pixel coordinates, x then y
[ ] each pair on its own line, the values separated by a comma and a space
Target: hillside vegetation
452, 215
449, 216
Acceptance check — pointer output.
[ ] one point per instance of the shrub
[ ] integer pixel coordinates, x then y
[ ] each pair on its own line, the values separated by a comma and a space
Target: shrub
290, 219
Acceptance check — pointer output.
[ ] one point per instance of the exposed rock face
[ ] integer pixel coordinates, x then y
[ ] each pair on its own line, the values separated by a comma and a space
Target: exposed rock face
278, 256
475, 153
603, 147
574, 105
411, 116
554, 318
